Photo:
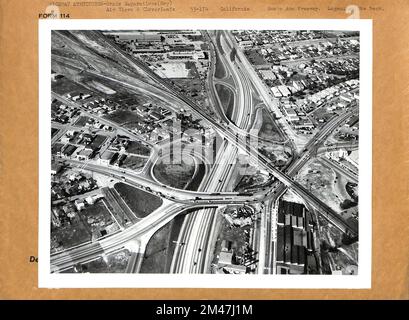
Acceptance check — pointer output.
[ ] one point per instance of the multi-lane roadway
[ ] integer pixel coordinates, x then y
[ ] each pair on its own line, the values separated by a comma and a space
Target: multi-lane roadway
198, 230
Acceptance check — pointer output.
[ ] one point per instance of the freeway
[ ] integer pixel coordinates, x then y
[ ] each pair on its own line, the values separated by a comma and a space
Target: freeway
90, 251
309, 151
210, 84
218, 176
199, 228
279, 189
262, 91
228, 132
312, 147
176, 195
142, 229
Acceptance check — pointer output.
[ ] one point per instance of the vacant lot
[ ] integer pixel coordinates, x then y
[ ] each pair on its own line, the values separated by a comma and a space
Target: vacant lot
53, 132
98, 218
220, 71
159, 251
154, 260
64, 85
268, 129
226, 98
81, 121
197, 178
175, 175
321, 116
140, 202
123, 116
251, 181
321, 181
133, 163
113, 263
255, 57
191, 86
278, 154
100, 87
69, 235
137, 147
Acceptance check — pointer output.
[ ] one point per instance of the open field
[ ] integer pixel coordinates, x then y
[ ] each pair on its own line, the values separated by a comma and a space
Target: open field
64, 85
278, 154
175, 175
69, 235
100, 87
190, 86
90, 49
322, 182
138, 148
119, 208
220, 71
226, 98
256, 180
197, 178
133, 163
53, 132
123, 116
268, 128
98, 219
140, 202
255, 57
154, 260
160, 248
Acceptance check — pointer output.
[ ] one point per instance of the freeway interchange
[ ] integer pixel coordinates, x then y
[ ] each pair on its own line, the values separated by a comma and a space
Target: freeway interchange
198, 231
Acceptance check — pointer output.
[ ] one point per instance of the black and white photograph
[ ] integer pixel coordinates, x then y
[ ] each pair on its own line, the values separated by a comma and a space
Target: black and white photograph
205, 154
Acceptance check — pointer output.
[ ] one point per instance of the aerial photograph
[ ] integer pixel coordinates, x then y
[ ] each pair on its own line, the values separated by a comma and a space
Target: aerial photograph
204, 152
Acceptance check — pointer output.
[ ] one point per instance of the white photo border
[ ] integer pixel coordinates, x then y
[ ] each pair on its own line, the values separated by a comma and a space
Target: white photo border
46, 279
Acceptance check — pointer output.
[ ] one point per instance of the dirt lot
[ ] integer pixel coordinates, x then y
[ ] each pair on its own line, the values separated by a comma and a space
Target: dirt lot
278, 154
321, 180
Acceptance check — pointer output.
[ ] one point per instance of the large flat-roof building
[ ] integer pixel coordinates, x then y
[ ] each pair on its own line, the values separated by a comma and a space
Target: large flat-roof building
138, 36
106, 157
